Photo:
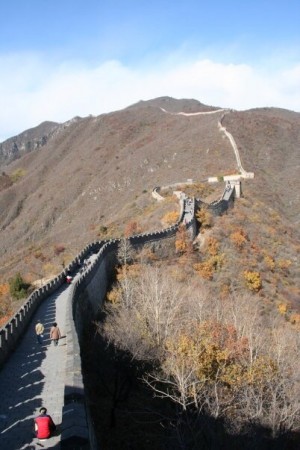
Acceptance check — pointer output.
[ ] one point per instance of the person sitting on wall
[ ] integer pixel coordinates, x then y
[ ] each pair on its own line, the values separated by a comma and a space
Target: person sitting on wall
68, 277
44, 425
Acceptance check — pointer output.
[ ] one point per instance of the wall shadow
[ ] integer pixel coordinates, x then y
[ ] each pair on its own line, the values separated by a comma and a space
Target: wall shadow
127, 415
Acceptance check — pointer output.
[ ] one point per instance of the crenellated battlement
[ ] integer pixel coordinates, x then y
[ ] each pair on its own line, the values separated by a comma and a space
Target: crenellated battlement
86, 296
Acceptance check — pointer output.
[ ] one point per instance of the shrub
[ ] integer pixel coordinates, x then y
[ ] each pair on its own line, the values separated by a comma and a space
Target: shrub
295, 318
212, 246
170, 217
282, 308
17, 175
207, 268
58, 249
114, 296
38, 254
182, 240
132, 228
284, 264
269, 262
239, 238
102, 229
4, 289
205, 218
204, 269
253, 280
18, 287
5, 303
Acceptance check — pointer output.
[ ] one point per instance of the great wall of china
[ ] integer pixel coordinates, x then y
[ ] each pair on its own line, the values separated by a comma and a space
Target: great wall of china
85, 296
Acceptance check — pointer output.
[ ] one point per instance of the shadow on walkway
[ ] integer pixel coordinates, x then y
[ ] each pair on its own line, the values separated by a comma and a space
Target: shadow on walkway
22, 382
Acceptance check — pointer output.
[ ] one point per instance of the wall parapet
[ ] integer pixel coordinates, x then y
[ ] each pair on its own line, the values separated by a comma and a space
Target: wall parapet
77, 426
12, 330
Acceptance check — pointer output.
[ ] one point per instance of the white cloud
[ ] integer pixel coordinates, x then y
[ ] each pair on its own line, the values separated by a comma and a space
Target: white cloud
32, 90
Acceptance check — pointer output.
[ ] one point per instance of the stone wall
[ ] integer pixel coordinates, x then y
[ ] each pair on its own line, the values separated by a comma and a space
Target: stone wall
86, 297
13, 330
74, 429
219, 207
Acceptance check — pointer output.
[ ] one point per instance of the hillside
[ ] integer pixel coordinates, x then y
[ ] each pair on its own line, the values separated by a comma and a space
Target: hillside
94, 175
32, 139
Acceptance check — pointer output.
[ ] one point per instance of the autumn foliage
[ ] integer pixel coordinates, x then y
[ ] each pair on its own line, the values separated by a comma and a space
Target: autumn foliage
170, 217
5, 303
239, 238
183, 240
253, 280
210, 355
132, 228
204, 217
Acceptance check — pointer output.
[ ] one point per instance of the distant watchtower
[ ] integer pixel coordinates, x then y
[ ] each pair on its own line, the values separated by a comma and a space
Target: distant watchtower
237, 184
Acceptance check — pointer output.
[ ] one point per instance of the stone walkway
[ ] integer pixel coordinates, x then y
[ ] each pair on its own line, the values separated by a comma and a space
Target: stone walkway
34, 377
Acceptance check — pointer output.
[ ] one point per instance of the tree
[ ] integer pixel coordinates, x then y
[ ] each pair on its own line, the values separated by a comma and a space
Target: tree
183, 242
253, 280
217, 357
204, 217
126, 252
150, 305
125, 256
208, 267
239, 238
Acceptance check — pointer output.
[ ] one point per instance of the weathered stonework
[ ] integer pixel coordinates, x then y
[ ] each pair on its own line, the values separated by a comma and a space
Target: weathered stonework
86, 297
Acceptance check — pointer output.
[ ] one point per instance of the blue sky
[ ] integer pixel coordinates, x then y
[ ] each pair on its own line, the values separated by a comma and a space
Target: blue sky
63, 58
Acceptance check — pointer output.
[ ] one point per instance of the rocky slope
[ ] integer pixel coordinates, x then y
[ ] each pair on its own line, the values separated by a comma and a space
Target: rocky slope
35, 138
93, 175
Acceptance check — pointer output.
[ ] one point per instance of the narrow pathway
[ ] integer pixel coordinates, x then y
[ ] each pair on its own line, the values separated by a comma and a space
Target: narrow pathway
235, 149
244, 173
202, 113
34, 377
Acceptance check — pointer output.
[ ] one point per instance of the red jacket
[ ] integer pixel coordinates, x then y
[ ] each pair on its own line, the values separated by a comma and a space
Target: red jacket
45, 426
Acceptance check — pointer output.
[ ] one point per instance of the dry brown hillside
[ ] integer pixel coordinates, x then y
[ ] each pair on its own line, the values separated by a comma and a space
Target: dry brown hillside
95, 174
269, 145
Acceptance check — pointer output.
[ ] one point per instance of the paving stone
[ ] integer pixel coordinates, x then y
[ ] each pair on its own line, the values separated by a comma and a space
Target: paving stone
32, 377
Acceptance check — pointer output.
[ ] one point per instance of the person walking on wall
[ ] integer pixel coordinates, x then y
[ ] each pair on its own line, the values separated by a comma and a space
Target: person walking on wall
44, 425
55, 334
39, 330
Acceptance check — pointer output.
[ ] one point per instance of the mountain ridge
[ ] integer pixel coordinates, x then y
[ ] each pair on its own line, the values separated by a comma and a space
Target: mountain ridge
95, 174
